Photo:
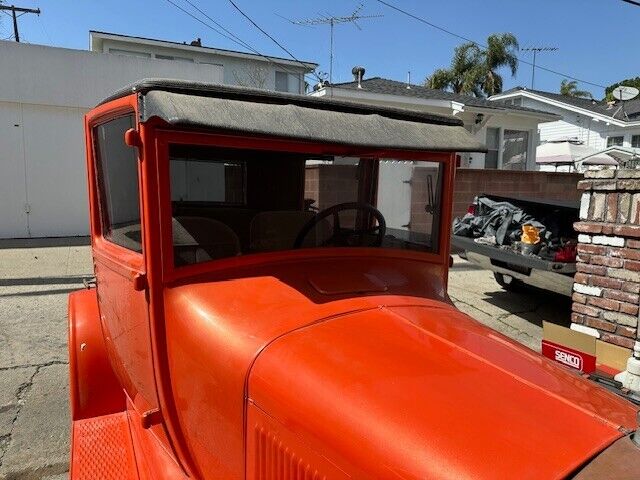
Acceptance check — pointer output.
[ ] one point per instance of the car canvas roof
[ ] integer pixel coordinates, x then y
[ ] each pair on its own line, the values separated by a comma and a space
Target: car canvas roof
297, 117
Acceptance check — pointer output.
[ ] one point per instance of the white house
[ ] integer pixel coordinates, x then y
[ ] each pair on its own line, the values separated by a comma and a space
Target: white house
510, 132
598, 124
228, 66
45, 92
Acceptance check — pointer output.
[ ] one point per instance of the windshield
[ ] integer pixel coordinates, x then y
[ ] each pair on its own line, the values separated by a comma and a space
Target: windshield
229, 202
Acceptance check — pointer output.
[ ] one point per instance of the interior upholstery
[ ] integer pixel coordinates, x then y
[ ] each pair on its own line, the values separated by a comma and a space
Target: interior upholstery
278, 230
199, 239
236, 218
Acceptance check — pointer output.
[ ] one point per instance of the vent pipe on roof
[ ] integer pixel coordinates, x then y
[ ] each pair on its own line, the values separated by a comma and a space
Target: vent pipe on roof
358, 74
409, 80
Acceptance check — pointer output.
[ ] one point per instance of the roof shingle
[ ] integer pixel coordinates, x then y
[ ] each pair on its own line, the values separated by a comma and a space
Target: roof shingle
631, 107
393, 87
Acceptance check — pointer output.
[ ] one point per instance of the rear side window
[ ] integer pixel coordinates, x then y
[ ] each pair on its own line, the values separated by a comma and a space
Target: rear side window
117, 171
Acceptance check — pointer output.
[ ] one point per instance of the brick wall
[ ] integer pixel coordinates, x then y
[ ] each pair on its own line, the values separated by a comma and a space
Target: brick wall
542, 185
607, 282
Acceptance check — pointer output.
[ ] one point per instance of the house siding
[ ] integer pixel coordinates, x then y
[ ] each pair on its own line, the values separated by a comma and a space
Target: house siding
582, 127
256, 73
572, 125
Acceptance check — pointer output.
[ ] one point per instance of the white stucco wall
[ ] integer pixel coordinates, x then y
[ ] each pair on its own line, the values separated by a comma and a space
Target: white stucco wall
44, 94
76, 78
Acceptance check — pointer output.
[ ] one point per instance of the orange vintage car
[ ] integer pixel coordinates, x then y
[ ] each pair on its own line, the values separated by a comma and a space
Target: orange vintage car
271, 303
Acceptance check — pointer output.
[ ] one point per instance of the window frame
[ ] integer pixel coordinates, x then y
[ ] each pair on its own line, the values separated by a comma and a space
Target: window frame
611, 137
528, 136
171, 273
103, 246
496, 149
635, 138
222, 203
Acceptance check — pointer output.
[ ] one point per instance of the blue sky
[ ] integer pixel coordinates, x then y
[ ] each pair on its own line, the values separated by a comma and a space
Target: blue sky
597, 39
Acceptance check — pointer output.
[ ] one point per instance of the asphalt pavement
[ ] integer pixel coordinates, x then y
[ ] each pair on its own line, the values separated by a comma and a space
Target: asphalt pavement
37, 275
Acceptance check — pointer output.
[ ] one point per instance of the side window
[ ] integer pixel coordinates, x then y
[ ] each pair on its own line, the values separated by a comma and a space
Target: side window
117, 171
615, 141
282, 82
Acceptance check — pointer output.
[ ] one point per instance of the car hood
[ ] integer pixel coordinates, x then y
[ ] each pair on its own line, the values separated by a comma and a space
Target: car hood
427, 392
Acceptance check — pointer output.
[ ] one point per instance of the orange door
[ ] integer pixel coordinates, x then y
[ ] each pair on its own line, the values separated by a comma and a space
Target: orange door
119, 261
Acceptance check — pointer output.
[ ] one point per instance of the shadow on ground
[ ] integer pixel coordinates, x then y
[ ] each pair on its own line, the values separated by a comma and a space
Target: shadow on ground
548, 306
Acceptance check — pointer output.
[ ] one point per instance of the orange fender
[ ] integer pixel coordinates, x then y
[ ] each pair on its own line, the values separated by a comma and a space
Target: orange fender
94, 388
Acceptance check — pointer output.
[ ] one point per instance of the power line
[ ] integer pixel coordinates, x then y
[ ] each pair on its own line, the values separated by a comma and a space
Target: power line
232, 37
238, 42
632, 2
484, 47
22, 11
262, 30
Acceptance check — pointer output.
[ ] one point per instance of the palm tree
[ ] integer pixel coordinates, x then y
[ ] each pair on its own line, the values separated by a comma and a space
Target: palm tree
464, 74
501, 52
569, 88
474, 71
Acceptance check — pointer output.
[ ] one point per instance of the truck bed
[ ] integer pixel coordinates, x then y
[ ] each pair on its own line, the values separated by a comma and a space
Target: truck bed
506, 257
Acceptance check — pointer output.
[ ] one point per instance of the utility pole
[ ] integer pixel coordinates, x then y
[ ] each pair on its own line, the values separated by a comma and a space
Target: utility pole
535, 51
332, 21
21, 11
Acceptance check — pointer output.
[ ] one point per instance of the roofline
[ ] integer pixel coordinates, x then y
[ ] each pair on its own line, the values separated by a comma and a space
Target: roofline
616, 148
234, 92
99, 35
331, 91
566, 106
455, 106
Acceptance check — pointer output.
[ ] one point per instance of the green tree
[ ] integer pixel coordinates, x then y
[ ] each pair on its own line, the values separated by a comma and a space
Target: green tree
463, 76
569, 88
502, 51
474, 71
630, 82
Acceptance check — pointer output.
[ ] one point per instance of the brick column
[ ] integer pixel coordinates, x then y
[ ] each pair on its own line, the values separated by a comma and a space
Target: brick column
607, 282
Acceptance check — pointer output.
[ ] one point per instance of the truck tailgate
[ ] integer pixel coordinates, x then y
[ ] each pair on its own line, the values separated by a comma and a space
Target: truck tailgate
509, 257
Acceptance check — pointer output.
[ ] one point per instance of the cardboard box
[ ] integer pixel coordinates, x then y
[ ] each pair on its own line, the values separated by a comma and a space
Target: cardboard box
573, 349
580, 351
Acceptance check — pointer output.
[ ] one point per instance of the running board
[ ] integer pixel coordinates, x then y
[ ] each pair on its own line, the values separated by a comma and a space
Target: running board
102, 448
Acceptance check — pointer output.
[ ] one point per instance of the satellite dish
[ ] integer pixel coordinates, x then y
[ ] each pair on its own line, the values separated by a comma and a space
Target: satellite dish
625, 93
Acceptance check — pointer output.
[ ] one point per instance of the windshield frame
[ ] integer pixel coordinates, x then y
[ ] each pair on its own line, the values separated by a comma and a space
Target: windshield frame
167, 137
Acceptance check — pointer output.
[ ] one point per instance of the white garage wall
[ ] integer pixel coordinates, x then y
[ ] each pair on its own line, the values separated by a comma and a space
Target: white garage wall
13, 218
56, 176
77, 78
44, 94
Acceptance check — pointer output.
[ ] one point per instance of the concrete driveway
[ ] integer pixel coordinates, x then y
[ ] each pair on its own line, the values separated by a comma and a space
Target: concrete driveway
37, 275
516, 315
34, 412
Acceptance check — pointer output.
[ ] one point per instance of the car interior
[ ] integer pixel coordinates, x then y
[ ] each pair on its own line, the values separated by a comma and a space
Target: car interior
228, 202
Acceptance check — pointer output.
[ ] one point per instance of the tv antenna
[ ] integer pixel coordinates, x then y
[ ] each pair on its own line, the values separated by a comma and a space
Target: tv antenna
535, 51
332, 21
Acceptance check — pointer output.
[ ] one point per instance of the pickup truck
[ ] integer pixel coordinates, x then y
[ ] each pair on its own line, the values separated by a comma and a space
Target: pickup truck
263, 310
512, 267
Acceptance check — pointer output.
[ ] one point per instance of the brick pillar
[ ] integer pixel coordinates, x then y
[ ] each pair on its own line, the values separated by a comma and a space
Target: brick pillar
607, 282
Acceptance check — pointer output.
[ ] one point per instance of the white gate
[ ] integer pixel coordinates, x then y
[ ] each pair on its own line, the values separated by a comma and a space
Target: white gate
394, 193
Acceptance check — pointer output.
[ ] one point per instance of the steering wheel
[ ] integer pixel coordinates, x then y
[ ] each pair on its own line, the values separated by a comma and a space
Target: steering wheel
346, 237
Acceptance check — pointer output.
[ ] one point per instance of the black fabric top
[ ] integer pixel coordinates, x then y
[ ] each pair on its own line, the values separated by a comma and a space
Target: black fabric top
261, 112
